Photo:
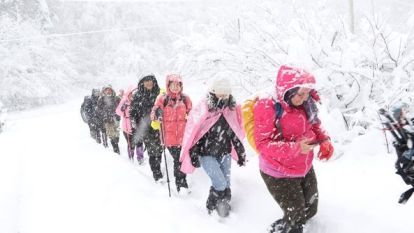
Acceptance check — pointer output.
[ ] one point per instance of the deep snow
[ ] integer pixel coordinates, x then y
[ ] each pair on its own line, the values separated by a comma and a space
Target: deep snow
55, 178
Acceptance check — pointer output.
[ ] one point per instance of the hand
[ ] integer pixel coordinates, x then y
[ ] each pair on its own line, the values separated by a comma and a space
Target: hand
305, 147
195, 161
325, 150
242, 160
155, 125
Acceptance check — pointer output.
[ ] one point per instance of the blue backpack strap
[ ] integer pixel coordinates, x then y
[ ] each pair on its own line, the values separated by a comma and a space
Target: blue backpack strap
279, 112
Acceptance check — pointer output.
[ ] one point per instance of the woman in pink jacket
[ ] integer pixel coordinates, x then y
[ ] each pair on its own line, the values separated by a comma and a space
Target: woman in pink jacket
213, 135
286, 147
172, 109
123, 111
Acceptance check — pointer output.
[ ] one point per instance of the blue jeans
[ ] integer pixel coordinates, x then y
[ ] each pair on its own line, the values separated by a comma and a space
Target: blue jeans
218, 170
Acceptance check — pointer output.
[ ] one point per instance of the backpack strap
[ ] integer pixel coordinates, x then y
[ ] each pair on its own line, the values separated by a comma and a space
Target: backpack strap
279, 112
167, 98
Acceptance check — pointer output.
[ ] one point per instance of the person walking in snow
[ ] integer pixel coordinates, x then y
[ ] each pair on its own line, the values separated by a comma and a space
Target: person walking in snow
140, 110
89, 113
129, 132
171, 110
213, 135
286, 147
107, 104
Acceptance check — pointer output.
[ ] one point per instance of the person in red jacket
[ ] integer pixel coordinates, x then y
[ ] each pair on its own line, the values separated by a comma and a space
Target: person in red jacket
172, 109
286, 147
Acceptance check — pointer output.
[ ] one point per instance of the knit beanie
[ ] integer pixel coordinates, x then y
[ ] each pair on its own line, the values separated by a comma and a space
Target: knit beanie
220, 86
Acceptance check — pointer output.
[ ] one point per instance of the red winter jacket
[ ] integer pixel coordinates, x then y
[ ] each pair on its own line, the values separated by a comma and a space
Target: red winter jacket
281, 156
174, 113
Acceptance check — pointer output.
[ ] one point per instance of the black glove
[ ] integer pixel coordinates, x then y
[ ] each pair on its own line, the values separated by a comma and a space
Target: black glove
117, 118
195, 161
242, 160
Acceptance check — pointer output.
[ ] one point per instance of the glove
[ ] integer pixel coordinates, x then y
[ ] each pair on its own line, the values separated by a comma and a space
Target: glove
242, 160
194, 160
155, 125
325, 150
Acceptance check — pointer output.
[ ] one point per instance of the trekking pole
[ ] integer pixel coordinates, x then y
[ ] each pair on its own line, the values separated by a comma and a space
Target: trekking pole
385, 134
165, 157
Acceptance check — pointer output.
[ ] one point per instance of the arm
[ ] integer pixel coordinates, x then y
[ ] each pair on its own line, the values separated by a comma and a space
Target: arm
120, 109
188, 104
319, 132
238, 146
265, 132
158, 105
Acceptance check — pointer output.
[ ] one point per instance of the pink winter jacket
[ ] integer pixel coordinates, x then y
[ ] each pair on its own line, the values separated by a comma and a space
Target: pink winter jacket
199, 123
282, 157
122, 110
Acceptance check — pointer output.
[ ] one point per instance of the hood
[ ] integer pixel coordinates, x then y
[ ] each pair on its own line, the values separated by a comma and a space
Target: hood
108, 87
129, 92
173, 78
291, 77
155, 89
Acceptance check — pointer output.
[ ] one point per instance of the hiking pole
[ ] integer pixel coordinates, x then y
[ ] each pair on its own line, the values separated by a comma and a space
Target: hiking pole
165, 157
385, 134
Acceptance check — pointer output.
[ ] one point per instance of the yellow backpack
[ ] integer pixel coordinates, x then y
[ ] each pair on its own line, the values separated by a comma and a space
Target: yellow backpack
248, 119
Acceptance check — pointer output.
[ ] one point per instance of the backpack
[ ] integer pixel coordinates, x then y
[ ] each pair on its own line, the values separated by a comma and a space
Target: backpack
248, 119
404, 136
83, 110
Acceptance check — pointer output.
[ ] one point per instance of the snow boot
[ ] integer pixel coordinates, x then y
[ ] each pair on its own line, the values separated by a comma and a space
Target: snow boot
223, 208
181, 182
114, 143
155, 164
211, 203
227, 194
278, 226
217, 201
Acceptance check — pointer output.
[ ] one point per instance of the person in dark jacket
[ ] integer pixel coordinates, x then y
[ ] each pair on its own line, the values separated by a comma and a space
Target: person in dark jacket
140, 110
212, 137
90, 115
107, 104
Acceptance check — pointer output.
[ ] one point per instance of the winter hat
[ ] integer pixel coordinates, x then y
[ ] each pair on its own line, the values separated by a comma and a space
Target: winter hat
220, 86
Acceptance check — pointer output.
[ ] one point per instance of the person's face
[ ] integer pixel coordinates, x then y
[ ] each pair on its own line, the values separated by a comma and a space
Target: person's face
108, 91
148, 84
175, 87
301, 96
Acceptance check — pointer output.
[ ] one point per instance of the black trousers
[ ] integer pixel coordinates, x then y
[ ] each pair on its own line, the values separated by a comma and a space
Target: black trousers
297, 197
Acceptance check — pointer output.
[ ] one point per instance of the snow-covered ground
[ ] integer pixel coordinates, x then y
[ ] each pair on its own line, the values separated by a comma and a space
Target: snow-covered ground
55, 178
